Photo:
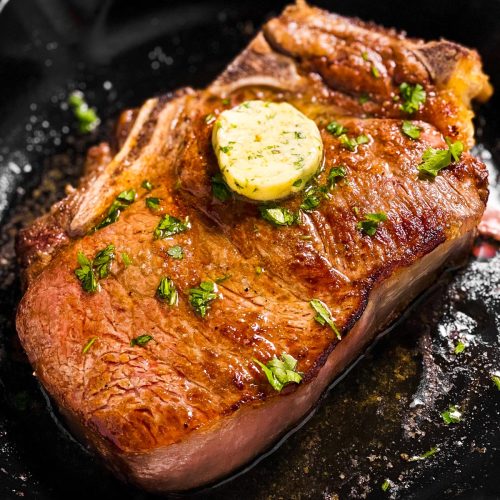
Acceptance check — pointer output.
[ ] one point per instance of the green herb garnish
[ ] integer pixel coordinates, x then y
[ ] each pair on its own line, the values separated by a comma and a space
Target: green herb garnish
496, 380
122, 201
452, 415
335, 174
335, 128
312, 197
425, 455
362, 139
176, 252
126, 259
219, 188
147, 185
141, 340
363, 98
348, 142
167, 292
460, 347
386, 485
374, 71
369, 224
201, 297
87, 117
90, 271
280, 372
153, 203
210, 118
88, 345
169, 225
434, 160
413, 97
279, 216
324, 315
411, 130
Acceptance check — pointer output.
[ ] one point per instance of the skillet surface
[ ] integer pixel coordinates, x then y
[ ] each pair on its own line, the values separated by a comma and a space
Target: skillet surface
388, 404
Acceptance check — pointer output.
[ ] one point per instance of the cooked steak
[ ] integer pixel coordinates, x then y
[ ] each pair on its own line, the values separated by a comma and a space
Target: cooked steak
167, 389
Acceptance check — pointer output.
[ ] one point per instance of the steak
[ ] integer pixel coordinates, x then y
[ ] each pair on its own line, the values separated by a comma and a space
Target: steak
191, 405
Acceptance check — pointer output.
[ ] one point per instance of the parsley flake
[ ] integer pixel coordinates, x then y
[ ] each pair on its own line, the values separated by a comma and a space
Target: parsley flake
279, 216
452, 415
369, 224
386, 485
496, 380
324, 315
167, 292
87, 117
141, 340
126, 259
434, 160
147, 185
335, 128
219, 188
413, 96
411, 130
88, 345
335, 174
210, 118
153, 203
176, 252
121, 202
363, 98
170, 225
374, 71
90, 271
460, 347
362, 139
201, 297
348, 142
312, 197
280, 372
425, 455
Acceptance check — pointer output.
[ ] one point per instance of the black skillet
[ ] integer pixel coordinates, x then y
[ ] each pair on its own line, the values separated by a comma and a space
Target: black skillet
120, 53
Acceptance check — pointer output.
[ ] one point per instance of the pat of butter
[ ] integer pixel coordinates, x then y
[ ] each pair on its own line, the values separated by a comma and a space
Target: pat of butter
266, 150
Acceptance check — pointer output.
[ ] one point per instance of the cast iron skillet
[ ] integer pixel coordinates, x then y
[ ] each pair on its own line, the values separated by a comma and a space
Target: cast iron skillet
120, 53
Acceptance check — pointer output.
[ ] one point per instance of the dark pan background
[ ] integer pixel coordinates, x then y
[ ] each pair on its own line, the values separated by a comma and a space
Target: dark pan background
120, 53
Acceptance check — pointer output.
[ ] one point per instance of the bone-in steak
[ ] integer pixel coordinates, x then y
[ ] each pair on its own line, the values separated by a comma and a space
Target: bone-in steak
190, 405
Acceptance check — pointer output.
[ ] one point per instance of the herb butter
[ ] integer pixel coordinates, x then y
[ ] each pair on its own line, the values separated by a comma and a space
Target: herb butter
266, 150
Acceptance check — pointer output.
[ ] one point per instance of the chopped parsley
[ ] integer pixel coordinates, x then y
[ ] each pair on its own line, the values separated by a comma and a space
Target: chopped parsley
201, 297
122, 201
460, 347
348, 142
363, 98
496, 380
102, 261
452, 415
424, 456
324, 315
280, 372
335, 128
90, 271
88, 345
386, 485
279, 216
147, 185
369, 224
413, 97
210, 118
335, 174
87, 117
434, 160
312, 197
411, 130
153, 203
362, 139
170, 225
176, 252
219, 188
167, 292
259, 270
126, 259
374, 71
141, 340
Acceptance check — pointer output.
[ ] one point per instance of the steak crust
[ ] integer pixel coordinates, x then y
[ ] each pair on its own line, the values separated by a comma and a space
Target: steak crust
191, 406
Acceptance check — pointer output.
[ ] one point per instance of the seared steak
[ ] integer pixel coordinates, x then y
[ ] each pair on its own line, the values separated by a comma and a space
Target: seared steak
190, 405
